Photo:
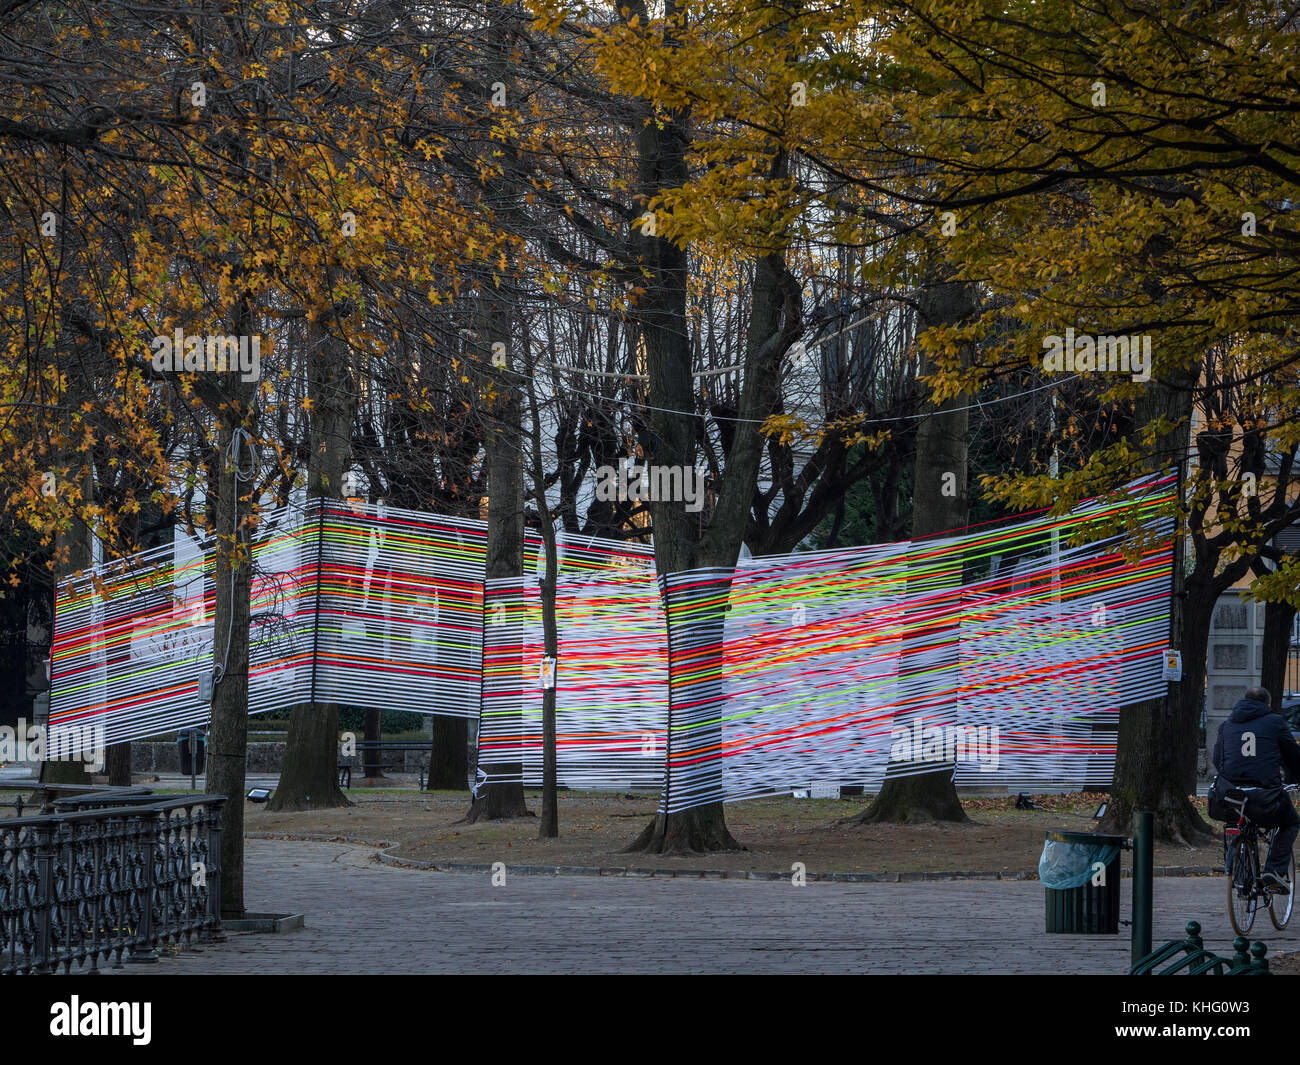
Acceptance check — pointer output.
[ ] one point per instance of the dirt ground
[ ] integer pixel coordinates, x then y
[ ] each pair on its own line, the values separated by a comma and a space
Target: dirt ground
594, 827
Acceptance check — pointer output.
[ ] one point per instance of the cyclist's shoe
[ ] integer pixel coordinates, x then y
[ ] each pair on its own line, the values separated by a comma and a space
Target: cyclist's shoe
1275, 884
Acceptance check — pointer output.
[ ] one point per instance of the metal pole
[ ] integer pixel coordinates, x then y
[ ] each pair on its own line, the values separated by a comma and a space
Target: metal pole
1142, 883
194, 759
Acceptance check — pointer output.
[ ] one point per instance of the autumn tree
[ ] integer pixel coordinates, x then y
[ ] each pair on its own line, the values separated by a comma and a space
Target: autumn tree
247, 226
1084, 188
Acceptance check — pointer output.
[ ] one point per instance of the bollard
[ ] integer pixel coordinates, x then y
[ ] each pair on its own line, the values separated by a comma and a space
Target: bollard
1143, 869
1241, 955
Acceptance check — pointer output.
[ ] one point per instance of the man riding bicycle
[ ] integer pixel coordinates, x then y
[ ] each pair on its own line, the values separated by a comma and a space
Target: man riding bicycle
1252, 747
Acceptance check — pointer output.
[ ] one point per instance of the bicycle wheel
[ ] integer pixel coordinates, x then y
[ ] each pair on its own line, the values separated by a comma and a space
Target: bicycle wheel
1242, 901
1280, 906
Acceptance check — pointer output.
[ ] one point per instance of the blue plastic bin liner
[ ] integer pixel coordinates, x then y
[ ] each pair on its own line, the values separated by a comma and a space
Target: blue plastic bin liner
1071, 865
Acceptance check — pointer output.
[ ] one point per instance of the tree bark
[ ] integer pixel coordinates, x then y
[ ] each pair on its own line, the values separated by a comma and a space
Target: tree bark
309, 776
774, 324
372, 761
549, 824
940, 503
1156, 745
696, 616
118, 761
228, 735
1197, 614
72, 553
502, 796
449, 754
1278, 618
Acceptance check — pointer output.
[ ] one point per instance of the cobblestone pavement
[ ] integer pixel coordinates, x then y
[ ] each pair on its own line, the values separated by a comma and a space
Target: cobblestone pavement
363, 917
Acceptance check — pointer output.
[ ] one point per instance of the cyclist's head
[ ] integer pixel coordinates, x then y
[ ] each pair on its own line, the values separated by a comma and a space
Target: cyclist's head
1259, 695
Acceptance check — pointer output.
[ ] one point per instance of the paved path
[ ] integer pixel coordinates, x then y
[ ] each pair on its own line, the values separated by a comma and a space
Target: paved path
363, 917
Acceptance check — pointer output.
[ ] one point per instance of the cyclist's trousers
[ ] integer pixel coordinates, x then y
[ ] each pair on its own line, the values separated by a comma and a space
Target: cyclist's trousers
1282, 816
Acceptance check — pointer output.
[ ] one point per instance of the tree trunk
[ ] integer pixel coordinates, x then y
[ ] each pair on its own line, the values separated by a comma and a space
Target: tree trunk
1278, 618
940, 503
774, 323
64, 771
696, 612
228, 735
309, 776
72, 553
1156, 745
372, 761
1197, 613
663, 140
502, 795
663, 321
705, 832
118, 761
549, 825
1203, 586
449, 754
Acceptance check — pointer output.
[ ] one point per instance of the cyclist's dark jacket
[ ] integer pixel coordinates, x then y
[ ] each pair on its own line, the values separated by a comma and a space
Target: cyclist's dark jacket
1274, 746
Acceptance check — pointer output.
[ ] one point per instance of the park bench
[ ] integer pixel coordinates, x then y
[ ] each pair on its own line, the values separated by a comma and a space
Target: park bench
383, 747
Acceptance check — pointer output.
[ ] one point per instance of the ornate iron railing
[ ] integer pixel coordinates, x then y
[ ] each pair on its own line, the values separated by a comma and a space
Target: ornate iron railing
82, 887
47, 796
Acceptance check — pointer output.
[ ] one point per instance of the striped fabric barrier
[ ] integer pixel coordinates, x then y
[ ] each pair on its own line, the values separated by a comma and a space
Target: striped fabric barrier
612, 682
401, 610
511, 649
397, 623
1003, 654
131, 637
849, 667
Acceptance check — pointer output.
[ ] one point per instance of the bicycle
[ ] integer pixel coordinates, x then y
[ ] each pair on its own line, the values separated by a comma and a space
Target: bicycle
1241, 864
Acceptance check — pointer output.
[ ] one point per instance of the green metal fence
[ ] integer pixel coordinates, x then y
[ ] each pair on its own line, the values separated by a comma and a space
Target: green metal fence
1188, 957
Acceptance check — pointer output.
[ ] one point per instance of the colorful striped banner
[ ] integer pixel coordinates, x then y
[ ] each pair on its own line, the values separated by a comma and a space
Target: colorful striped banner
1002, 654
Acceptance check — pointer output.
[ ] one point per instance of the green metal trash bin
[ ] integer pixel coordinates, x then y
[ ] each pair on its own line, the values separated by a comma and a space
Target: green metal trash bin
1080, 871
